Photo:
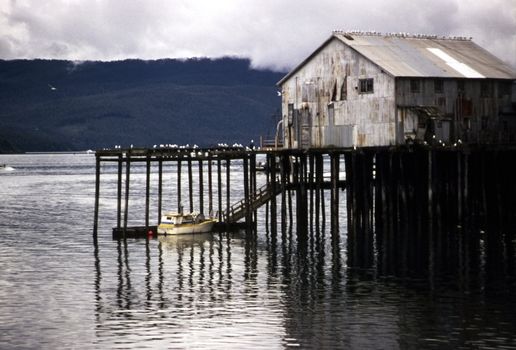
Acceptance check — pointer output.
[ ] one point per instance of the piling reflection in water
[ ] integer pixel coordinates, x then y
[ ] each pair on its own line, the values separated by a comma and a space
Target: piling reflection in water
269, 292
445, 214
411, 212
167, 285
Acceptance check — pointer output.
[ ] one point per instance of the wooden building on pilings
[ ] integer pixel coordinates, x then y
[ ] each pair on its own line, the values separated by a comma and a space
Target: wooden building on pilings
371, 89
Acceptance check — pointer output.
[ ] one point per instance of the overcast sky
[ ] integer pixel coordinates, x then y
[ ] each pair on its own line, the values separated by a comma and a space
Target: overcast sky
275, 34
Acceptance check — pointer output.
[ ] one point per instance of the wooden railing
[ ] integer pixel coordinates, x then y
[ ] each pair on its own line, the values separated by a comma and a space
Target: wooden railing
238, 210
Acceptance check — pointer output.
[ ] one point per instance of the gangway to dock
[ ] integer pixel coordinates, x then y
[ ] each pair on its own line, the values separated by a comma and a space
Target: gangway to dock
262, 195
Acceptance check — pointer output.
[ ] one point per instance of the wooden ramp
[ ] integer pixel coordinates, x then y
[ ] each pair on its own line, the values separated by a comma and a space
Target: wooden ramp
238, 210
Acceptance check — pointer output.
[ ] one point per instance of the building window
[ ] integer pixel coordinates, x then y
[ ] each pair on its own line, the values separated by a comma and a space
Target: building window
438, 86
366, 85
415, 85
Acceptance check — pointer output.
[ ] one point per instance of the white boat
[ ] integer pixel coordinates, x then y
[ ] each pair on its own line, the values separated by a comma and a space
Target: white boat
173, 223
4, 167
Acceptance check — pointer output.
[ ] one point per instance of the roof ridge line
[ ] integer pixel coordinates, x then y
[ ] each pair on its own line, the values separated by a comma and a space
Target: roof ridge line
401, 35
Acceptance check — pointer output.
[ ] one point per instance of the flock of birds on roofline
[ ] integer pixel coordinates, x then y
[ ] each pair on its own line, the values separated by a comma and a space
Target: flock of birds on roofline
402, 35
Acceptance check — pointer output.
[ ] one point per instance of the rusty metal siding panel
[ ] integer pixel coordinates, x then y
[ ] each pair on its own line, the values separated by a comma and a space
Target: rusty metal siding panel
340, 136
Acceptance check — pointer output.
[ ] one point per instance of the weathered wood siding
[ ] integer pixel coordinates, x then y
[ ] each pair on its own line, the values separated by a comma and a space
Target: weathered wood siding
323, 106
476, 107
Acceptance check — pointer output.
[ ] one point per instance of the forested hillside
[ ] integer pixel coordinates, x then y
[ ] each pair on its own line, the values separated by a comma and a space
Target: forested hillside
51, 105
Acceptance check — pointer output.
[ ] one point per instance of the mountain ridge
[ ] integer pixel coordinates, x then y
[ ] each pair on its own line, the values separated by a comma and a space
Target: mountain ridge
54, 105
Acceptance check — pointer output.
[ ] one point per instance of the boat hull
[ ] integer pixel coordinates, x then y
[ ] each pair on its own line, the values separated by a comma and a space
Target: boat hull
172, 229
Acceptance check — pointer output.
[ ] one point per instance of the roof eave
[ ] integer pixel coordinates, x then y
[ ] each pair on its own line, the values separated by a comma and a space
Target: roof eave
298, 67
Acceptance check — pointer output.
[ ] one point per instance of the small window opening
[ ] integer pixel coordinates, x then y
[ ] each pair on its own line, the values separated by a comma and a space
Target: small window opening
366, 85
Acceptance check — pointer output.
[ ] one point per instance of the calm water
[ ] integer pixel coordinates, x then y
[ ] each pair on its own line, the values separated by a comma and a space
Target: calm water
220, 291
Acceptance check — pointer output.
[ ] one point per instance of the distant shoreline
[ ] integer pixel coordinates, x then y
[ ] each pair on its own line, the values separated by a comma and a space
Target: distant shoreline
62, 152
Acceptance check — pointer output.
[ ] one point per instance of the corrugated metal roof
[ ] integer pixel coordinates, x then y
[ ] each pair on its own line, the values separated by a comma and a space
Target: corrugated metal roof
422, 56
428, 56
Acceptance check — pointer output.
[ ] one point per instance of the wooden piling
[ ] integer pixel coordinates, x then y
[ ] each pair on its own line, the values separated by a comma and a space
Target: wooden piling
246, 193
119, 193
147, 191
190, 183
283, 184
334, 202
97, 197
179, 204
127, 188
311, 165
228, 188
210, 188
201, 188
160, 188
219, 185
271, 165
318, 192
430, 222
253, 187
299, 184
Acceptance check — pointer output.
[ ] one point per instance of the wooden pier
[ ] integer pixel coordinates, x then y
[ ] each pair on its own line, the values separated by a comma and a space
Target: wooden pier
411, 210
286, 171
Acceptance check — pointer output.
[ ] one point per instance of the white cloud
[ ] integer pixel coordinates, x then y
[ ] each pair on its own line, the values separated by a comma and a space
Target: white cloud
276, 34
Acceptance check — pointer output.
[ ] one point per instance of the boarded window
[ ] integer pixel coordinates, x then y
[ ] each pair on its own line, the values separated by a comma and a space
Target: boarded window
366, 86
438, 86
415, 85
